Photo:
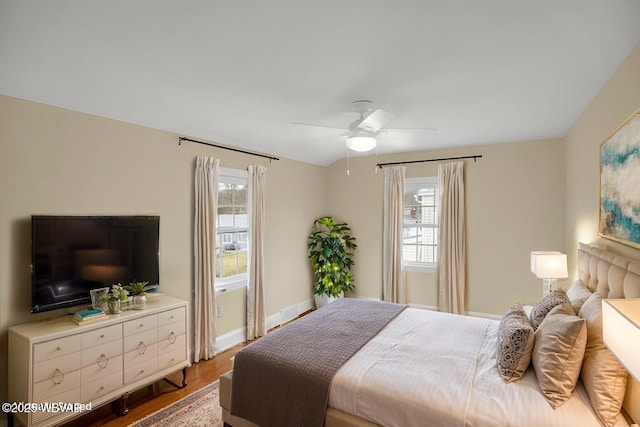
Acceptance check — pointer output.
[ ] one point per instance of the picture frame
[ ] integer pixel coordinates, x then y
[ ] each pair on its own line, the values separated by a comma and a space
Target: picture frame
96, 301
620, 184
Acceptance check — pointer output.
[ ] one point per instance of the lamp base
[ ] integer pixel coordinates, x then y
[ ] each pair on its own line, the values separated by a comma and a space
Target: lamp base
548, 286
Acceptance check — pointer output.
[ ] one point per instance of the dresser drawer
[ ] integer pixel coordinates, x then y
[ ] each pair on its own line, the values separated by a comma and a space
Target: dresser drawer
55, 348
147, 338
140, 354
168, 345
93, 355
170, 316
94, 389
101, 368
171, 331
140, 370
71, 396
56, 369
101, 336
47, 390
168, 359
139, 325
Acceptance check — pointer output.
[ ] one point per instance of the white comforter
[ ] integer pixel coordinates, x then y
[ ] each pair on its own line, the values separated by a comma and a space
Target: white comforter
434, 369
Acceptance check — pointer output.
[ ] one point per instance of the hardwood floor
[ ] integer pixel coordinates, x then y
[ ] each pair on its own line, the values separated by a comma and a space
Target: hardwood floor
154, 397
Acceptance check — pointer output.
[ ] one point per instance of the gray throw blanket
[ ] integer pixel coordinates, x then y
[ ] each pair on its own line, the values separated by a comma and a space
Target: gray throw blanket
283, 379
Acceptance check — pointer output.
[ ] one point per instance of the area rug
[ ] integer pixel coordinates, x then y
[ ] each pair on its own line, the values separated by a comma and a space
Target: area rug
200, 408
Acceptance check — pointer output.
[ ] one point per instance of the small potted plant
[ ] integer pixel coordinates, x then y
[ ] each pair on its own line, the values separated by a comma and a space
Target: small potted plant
139, 292
330, 248
114, 298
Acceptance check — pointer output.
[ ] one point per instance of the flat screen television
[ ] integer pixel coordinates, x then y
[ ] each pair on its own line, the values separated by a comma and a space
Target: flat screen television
71, 255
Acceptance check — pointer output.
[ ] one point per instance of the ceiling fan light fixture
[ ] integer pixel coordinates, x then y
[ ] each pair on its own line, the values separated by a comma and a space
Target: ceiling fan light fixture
361, 143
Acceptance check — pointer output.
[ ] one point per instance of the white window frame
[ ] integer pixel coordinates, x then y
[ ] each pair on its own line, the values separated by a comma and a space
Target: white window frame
428, 181
228, 284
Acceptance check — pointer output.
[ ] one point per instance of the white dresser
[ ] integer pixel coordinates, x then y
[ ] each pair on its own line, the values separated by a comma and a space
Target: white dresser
57, 361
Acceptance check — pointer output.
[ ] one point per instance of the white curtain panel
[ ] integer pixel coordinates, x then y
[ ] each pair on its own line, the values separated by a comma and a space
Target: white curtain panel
204, 248
392, 268
452, 261
256, 314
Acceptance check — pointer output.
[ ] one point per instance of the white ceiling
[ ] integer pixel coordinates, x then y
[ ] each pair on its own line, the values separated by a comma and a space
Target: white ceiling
244, 72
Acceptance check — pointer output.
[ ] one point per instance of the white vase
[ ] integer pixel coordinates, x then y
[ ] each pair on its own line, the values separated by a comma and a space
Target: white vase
322, 300
139, 301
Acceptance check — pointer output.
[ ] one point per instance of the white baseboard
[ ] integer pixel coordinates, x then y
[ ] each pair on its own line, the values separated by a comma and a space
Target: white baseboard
237, 336
289, 313
228, 340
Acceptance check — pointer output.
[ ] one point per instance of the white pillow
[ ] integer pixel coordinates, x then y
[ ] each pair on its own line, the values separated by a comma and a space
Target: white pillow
557, 353
578, 294
604, 378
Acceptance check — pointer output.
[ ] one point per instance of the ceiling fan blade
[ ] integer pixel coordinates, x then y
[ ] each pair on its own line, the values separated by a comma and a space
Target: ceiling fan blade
376, 120
414, 129
319, 126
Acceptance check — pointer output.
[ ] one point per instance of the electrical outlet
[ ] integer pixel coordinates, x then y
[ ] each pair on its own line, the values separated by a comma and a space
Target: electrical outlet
220, 310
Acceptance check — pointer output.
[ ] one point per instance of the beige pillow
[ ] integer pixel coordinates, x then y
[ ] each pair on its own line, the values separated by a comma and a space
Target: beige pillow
578, 294
545, 305
604, 378
515, 344
557, 353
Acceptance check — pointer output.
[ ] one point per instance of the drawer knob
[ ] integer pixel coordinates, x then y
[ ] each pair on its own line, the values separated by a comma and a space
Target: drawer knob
172, 338
142, 348
57, 376
102, 336
103, 361
141, 325
58, 348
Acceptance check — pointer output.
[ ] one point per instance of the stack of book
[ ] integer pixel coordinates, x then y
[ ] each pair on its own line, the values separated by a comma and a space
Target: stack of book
88, 316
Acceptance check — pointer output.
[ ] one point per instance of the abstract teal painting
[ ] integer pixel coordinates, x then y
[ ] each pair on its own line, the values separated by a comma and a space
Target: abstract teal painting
620, 184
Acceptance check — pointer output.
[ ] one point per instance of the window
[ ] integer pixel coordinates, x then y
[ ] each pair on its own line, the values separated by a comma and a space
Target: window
420, 236
232, 229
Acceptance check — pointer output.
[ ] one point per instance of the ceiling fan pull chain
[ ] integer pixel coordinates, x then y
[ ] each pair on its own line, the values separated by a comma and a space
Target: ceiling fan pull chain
347, 162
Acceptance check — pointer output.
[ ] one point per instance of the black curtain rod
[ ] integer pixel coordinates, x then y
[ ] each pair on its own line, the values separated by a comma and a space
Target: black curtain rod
474, 157
266, 156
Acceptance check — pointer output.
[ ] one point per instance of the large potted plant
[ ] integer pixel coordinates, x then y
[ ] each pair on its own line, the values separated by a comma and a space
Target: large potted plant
331, 246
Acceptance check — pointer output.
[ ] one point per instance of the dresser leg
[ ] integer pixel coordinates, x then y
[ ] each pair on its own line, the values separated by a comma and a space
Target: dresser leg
124, 399
184, 379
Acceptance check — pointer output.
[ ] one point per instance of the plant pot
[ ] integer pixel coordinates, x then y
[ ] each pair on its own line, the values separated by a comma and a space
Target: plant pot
139, 301
115, 307
322, 300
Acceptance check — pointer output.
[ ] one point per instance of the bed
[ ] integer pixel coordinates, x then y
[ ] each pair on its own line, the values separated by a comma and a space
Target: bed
420, 367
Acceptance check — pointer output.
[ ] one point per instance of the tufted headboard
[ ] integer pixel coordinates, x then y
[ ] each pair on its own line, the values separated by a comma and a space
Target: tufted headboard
612, 276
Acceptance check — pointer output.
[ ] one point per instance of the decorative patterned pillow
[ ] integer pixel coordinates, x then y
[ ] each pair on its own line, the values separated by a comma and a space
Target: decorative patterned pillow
557, 353
578, 294
604, 378
515, 344
544, 306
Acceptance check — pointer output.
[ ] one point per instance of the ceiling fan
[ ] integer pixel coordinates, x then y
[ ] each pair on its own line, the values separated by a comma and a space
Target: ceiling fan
363, 132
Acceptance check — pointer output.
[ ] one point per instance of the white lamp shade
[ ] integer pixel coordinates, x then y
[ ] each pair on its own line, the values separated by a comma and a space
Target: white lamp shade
621, 332
549, 265
361, 142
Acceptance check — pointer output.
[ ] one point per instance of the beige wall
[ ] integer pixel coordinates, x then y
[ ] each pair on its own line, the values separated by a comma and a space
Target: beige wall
55, 161
515, 204
618, 99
